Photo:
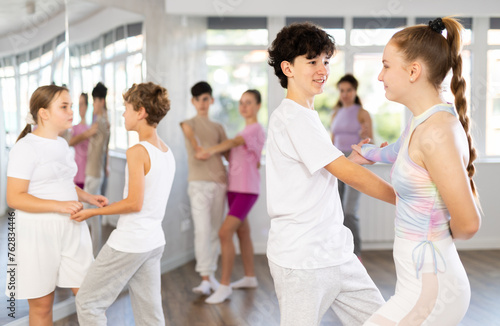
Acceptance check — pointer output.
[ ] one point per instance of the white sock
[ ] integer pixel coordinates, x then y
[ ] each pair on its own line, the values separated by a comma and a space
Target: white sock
203, 288
214, 284
222, 293
245, 282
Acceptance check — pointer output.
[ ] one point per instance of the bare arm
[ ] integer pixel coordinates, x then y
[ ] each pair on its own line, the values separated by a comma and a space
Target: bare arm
18, 198
361, 179
366, 124
84, 135
447, 166
190, 136
223, 147
96, 200
331, 122
137, 160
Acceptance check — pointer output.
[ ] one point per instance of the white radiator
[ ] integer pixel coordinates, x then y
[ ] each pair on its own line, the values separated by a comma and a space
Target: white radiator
376, 217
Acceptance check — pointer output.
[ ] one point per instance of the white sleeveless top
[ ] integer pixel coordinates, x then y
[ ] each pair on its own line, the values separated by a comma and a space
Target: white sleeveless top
143, 231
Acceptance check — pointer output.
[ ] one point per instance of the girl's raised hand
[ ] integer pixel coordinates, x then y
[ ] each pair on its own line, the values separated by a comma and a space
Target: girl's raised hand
356, 156
69, 207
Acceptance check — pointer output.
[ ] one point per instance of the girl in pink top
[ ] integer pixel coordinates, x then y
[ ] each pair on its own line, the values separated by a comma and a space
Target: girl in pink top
243, 191
80, 140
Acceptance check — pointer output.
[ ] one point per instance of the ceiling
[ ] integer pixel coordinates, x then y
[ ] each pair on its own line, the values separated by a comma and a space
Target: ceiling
23, 15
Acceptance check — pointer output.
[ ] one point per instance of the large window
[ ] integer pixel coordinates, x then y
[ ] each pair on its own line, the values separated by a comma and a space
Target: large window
237, 61
20, 75
367, 40
23, 73
115, 59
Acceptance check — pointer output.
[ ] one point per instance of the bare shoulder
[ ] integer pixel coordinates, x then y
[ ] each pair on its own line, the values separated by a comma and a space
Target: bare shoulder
363, 114
441, 131
137, 153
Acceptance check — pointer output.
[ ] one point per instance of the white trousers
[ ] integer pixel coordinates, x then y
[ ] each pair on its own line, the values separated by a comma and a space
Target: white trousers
304, 295
93, 187
207, 208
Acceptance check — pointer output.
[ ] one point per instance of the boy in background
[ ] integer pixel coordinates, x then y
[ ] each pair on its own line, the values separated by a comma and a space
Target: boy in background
206, 185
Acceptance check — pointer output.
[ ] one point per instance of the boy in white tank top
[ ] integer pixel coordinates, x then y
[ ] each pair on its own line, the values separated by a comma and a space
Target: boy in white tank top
133, 251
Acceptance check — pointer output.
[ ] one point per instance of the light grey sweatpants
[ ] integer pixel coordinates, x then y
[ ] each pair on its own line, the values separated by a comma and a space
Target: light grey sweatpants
304, 295
109, 274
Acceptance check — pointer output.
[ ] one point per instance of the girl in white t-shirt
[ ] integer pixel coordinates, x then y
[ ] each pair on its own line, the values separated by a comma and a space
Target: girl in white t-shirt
51, 249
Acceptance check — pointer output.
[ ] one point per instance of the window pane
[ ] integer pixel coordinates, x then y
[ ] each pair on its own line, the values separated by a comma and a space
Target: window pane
324, 103
95, 56
96, 74
494, 37
45, 75
237, 37
366, 37
134, 43
121, 86
230, 73
387, 117
493, 104
46, 58
120, 46
23, 67
109, 51
87, 79
24, 100
58, 71
338, 34
34, 64
134, 69
109, 81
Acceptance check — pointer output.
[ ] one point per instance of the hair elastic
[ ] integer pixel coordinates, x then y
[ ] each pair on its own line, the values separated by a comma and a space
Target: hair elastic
437, 25
29, 119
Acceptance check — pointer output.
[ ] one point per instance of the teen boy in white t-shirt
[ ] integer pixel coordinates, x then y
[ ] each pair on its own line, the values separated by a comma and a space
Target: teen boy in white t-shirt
310, 251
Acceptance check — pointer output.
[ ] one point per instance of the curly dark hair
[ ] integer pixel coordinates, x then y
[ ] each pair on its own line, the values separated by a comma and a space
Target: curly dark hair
296, 40
152, 97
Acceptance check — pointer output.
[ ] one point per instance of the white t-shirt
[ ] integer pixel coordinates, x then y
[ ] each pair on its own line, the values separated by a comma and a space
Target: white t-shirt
143, 231
47, 163
307, 230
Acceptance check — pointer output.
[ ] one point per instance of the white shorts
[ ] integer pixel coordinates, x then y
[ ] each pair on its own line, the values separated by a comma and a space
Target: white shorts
51, 250
432, 298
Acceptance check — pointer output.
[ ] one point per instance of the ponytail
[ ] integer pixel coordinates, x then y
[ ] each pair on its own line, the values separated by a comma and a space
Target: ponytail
457, 86
25, 131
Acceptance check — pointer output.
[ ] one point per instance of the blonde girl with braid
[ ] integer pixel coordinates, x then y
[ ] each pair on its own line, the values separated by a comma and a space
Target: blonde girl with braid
432, 177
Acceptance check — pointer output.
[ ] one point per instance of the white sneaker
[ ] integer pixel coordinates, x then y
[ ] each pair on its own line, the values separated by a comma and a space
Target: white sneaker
203, 288
246, 282
219, 296
214, 284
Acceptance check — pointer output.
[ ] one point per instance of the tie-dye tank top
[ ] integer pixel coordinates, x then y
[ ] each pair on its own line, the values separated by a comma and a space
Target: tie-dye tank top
421, 214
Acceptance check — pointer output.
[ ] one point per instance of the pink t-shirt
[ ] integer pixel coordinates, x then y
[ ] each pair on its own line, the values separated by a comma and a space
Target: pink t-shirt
80, 153
244, 175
